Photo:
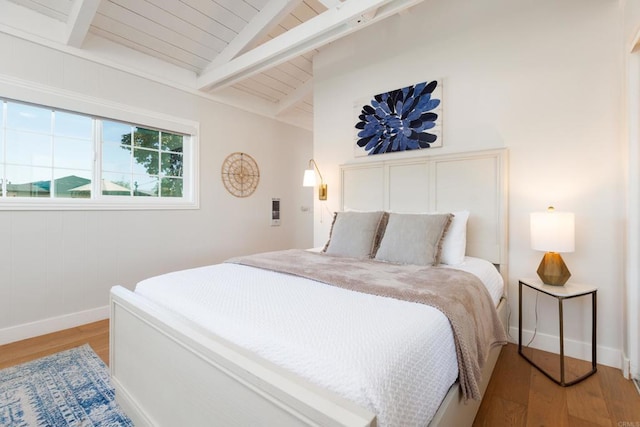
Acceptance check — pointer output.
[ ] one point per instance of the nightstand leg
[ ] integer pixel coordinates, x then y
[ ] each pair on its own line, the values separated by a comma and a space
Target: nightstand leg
519, 317
594, 309
561, 341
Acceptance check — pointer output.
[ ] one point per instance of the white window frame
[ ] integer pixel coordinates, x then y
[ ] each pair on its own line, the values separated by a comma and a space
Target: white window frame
57, 99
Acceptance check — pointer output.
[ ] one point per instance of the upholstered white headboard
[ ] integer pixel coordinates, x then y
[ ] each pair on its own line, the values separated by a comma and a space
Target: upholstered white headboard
474, 181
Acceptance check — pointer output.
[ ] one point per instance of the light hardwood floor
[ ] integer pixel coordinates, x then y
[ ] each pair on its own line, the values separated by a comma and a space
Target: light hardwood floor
95, 334
518, 394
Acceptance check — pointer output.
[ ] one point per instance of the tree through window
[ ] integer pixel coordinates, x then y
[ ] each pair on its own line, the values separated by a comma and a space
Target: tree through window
150, 166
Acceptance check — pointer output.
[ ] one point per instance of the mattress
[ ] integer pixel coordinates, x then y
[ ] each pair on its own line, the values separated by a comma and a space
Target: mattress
395, 358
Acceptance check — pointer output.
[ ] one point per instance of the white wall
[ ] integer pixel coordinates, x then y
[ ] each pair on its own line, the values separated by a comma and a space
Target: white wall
58, 264
543, 78
632, 92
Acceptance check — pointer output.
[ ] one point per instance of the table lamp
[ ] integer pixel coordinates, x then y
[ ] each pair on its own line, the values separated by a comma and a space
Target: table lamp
553, 232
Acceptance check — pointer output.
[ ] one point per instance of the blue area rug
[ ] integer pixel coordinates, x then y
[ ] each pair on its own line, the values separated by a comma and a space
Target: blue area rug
70, 388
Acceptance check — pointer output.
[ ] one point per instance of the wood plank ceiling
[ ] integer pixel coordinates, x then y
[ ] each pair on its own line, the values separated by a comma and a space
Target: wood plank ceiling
255, 54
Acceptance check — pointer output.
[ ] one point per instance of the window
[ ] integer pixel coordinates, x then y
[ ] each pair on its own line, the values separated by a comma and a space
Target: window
58, 157
141, 162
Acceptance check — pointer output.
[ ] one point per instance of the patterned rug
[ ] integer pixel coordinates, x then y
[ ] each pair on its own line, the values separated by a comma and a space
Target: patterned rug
70, 388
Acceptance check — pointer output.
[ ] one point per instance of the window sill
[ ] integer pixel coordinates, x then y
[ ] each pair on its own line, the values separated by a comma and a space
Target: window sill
24, 204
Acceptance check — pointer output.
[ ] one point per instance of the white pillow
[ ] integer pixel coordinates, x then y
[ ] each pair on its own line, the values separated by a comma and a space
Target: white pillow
413, 238
355, 234
454, 244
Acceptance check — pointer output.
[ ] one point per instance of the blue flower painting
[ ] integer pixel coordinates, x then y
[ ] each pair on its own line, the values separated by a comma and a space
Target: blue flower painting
400, 120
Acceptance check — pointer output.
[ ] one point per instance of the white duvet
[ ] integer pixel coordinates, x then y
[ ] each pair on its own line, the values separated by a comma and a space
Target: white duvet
393, 357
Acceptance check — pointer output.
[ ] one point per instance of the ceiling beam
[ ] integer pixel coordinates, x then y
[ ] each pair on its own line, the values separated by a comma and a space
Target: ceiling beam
268, 17
79, 21
330, 25
291, 100
330, 3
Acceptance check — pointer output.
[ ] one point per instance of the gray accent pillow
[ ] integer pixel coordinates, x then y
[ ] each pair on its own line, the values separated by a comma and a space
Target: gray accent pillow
355, 234
413, 238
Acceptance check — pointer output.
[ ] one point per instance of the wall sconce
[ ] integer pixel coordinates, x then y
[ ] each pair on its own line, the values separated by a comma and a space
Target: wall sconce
553, 232
310, 180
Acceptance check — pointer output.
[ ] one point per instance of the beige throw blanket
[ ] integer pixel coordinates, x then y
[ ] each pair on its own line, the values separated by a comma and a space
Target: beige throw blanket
458, 294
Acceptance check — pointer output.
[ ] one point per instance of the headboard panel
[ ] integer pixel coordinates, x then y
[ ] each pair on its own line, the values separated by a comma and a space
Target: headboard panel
473, 181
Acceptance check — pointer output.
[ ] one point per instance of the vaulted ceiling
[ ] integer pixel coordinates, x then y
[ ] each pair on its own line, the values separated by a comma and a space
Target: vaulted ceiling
254, 54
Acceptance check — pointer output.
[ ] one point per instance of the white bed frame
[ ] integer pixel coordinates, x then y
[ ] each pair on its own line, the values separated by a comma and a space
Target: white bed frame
167, 371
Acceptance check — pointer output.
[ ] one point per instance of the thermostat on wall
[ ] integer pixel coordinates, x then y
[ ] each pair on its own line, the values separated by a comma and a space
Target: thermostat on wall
275, 212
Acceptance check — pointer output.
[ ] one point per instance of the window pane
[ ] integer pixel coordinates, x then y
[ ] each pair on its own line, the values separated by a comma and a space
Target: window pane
146, 138
145, 185
72, 183
116, 132
73, 125
145, 161
28, 117
25, 181
114, 184
72, 153
116, 157
172, 142
171, 164
171, 187
1, 136
26, 148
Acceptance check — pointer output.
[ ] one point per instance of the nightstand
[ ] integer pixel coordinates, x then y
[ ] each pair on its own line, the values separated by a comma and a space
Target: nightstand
561, 293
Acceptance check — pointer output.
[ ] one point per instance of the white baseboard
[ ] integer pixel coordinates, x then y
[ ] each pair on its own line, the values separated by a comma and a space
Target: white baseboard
572, 348
626, 367
53, 324
631, 371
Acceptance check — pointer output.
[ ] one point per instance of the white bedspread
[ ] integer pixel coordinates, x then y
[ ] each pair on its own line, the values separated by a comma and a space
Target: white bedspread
393, 357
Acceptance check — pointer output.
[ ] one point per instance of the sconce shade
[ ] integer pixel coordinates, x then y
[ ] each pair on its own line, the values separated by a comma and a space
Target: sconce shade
309, 180
553, 232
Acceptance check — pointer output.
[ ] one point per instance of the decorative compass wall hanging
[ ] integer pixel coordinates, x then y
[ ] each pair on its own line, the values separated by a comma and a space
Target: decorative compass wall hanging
240, 174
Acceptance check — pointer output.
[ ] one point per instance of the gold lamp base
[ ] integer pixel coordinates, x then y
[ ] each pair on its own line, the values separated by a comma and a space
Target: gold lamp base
552, 270
322, 191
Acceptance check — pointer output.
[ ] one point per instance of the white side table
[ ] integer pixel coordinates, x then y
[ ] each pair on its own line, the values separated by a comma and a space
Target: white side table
561, 293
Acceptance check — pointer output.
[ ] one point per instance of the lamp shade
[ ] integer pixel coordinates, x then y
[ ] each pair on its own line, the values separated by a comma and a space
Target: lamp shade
553, 231
309, 179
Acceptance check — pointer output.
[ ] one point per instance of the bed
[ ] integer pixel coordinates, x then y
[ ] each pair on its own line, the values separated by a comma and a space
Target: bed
172, 363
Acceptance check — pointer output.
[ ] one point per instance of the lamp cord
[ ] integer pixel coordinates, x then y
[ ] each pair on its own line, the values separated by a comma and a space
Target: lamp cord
324, 205
535, 329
